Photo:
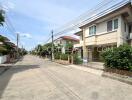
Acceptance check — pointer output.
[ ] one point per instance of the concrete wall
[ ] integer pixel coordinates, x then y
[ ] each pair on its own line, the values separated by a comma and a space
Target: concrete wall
80, 44
122, 35
3, 59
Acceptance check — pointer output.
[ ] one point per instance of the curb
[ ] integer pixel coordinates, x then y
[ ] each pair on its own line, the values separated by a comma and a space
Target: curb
3, 70
88, 69
114, 76
5, 67
124, 79
102, 73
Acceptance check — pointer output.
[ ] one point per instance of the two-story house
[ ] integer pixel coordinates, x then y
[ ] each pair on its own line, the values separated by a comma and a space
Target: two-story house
110, 28
64, 40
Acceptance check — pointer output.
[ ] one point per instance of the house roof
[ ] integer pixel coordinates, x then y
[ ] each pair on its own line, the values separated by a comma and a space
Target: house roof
101, 13
101, 10
5, 38
78, 33
11, 44
69, 38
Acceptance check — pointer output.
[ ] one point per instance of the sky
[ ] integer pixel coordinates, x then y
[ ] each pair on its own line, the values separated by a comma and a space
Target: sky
34, 19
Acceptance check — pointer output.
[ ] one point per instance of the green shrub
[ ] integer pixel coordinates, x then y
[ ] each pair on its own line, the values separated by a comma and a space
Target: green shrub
64, 56
118, 58
57, 55
76, 59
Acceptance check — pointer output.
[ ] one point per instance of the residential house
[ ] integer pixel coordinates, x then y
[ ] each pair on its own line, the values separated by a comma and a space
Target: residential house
63, 41
5, 46
109, 28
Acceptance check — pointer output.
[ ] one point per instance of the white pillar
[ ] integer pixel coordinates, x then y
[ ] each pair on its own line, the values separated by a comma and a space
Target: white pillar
120, 32
85, 51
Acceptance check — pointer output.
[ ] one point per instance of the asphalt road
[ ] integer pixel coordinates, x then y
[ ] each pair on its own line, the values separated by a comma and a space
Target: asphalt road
33, 78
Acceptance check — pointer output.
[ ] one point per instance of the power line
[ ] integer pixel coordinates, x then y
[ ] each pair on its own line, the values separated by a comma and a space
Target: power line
75, 24
49, 38
10, 24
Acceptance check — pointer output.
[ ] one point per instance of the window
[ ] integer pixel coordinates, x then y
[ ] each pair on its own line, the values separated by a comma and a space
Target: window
82, 37
92, 30
112, 25
130, 29
116, 24
125, 27
109, 25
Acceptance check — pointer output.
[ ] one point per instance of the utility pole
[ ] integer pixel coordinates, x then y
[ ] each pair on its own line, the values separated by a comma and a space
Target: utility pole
22, 51
17, 45
52, 55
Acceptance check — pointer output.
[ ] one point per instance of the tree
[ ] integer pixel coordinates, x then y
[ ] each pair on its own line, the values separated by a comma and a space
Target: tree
2, 18
69, 47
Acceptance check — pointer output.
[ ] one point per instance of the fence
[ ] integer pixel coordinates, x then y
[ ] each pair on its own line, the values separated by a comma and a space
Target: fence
3, 59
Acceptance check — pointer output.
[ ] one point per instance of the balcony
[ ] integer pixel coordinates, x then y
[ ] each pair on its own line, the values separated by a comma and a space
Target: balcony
78, 45
106, 38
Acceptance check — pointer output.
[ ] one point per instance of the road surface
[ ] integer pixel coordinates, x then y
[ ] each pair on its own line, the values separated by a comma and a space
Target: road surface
33, 78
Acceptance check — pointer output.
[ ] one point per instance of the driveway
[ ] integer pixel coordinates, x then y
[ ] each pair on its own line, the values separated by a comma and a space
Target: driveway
33, 78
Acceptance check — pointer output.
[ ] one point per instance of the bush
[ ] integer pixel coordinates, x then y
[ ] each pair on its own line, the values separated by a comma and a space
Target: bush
118, 58
57, 55
76, 59
64, 56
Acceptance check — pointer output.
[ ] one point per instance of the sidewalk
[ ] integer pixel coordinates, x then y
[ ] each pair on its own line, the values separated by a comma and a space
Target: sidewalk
6, 66
88, 69
94, 65
118, 77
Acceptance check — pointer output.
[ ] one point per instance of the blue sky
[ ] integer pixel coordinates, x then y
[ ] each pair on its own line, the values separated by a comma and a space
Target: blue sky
34, 19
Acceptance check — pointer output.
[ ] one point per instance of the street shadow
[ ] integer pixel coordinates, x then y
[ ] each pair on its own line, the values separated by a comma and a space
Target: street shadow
6, 76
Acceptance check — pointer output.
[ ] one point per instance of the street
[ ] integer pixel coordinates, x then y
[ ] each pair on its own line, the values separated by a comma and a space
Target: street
33, 78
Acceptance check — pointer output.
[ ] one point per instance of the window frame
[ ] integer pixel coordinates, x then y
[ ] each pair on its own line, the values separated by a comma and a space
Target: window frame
115, 28
113, 24
92, 30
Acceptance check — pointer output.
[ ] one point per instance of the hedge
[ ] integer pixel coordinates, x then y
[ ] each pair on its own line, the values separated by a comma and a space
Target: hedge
76, 59
118, 58
57, 55
64, 56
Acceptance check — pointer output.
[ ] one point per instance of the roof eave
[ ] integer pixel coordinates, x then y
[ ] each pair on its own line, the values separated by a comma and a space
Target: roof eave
103, 14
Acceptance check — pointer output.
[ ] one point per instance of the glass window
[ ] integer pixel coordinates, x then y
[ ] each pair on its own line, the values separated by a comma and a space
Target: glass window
116, 24
109, 25
125, 27
130, 29
82, 37
92, 30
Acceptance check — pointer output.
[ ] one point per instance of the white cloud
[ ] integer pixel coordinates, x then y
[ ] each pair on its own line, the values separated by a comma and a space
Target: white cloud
45, 11
25, 35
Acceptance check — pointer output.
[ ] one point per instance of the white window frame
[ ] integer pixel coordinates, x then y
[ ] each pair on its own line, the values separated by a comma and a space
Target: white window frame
95, 29
113, 24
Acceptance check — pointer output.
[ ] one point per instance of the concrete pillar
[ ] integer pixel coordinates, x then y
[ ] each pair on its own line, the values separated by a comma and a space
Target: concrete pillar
85, 51
68, 58
63, 50
90, 56
120, 33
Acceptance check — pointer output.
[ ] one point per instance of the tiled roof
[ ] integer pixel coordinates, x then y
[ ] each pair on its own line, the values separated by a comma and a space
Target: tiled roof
5, 38
69, 38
